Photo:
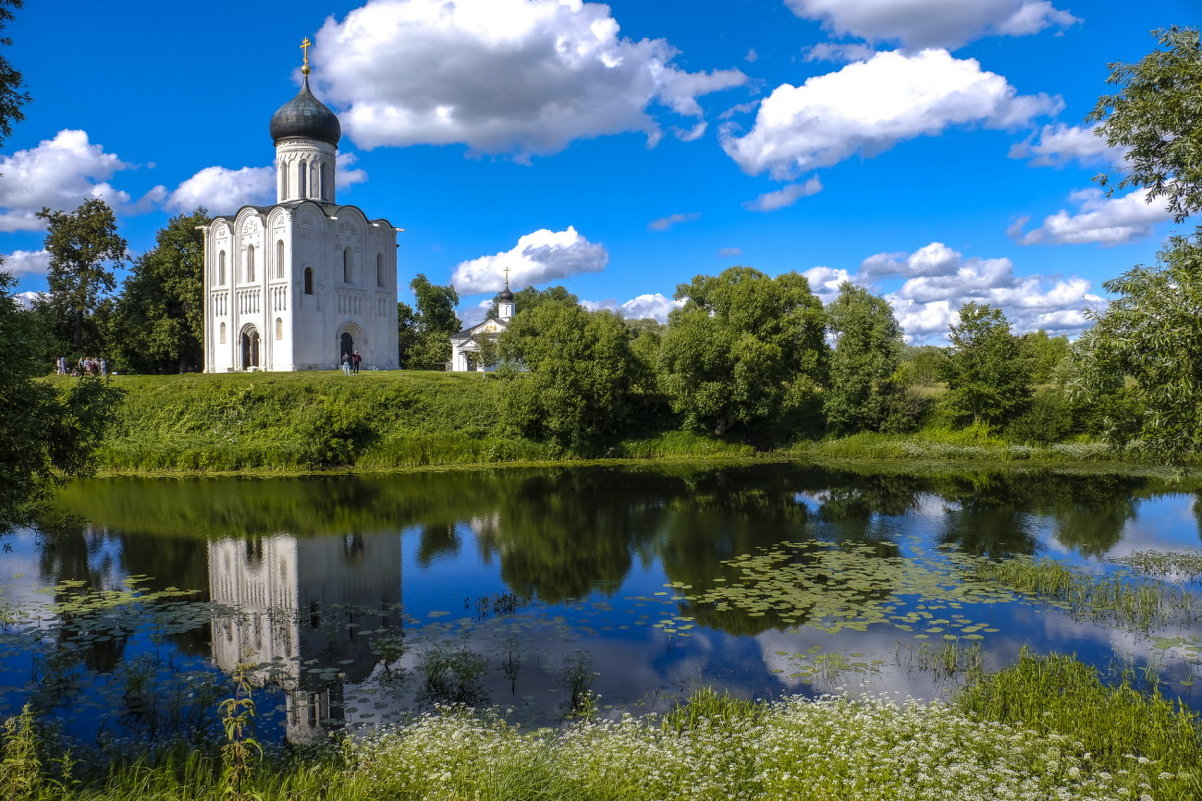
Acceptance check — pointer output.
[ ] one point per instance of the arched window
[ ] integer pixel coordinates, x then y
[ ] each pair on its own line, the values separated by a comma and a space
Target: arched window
250, 262
346, 265
308, 280
221, 340
379, 269
279, 328
283, 182
279, 258
327, 185
221, 268
302, 173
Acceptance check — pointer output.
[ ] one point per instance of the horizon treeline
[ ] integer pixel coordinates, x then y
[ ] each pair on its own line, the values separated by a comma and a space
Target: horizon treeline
747, 353
745, 356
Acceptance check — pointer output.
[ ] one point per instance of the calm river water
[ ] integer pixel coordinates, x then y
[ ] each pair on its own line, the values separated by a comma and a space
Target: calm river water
357, 599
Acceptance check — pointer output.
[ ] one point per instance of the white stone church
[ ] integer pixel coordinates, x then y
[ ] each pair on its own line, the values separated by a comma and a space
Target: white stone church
296, 285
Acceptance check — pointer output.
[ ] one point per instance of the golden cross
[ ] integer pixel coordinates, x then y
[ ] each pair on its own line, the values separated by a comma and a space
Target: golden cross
305, 45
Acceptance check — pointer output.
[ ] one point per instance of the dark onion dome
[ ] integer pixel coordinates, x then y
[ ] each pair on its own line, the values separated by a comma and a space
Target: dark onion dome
505, 294
306, 117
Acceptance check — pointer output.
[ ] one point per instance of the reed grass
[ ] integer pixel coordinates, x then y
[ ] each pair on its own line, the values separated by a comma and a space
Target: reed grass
945, 445
1167, 565
1144, 742
1125, 599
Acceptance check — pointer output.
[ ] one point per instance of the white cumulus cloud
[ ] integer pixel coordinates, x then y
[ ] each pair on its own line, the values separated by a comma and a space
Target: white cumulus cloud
26, 262
537, 258
825, 281
932, 23
59, 173
345, 172
224, 191
521, 77
933, 259
26, 300
1101, 219
938, 280
867, 107
1059, 144
787, 196
655, 307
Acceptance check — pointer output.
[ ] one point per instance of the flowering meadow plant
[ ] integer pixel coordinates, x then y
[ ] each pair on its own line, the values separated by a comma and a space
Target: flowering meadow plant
831, 748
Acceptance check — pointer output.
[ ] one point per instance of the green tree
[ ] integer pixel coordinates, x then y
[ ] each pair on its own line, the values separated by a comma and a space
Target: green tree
407, 335
84, 247
1151, 333
12, 98
647, 337
866, 355
742, 349
46, 434
434, 323
988, 375
158, 322
921, 365
1157, 117
1045, 354
576, 374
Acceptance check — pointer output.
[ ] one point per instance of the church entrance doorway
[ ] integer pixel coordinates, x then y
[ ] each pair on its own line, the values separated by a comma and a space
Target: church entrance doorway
250, 348
346, 344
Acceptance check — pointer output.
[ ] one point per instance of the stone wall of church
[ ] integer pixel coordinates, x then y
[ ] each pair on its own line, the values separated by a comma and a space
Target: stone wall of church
288, 288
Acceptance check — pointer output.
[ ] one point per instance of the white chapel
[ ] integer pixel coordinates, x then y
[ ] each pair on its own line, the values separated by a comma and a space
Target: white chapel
465, 345
296, 285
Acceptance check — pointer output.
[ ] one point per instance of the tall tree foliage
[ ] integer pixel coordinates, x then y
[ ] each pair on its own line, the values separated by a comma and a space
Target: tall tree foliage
577, 374
1152, 333
45, 434
866, 355
1045, 352
12, 96
158, 324
432, 325
987, 372
407, 336
84, 247
1157, 115
742, 349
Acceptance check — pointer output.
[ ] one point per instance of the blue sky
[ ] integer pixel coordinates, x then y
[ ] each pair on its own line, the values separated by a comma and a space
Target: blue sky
934, 150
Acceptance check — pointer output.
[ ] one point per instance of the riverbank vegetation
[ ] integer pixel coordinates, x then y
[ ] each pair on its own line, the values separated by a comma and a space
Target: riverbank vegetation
287, 423
1043, 728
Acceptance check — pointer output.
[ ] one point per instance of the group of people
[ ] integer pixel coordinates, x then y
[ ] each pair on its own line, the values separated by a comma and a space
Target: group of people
87, 365
351, 362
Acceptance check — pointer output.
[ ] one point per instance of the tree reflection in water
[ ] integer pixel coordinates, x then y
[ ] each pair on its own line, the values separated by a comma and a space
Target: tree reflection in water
312, 566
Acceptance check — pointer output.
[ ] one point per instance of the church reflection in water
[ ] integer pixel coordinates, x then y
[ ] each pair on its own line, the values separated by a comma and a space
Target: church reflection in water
303, 612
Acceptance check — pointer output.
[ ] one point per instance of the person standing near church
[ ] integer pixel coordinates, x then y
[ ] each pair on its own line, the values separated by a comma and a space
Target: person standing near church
356, 360
346, 364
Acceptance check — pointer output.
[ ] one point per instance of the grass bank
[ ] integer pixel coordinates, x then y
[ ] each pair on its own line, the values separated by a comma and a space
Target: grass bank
291, 423
1044, 728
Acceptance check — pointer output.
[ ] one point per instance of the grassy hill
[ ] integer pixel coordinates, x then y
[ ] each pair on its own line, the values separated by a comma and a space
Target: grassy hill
292, 423
300, 422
